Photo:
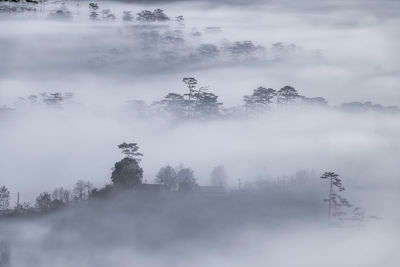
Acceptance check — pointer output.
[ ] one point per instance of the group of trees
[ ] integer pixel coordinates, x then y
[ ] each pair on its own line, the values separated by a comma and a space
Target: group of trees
55, 99
179, 179
127, 16
199, 103
336, 202
262, 98
195, 103
127, 174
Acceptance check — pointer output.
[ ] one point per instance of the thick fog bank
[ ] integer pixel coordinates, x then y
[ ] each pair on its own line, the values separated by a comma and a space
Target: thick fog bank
238, 228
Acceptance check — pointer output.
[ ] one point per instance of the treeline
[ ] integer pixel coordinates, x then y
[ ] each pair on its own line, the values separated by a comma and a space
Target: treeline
127, 176
198, 102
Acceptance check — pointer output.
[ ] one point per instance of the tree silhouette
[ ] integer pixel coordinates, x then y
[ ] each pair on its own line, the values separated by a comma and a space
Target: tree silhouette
218, 176
127, 173
186, 180
130, 150
167, 176
335, 200
93, 7
260, 99
43, 201
287, 94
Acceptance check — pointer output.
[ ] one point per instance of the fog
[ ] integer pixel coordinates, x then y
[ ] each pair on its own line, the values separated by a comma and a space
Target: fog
343, 51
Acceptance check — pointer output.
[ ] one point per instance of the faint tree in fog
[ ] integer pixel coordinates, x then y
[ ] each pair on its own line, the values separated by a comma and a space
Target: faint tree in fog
148, 16
281, 50
61, 194
218, 176
314, 101
207, 51
167, 176
287, 94
43, 201
260, 99
107, 15
335, 200
180, 20
93, 7
4, 198
82, 190
79, 191
245, 47
127, 16
175, 104
186, 180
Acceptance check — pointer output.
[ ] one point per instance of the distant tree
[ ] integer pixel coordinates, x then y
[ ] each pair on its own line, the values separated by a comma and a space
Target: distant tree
167, 176
335, 200
191, 84
61, 194
314, 101
148, 16
287, 94
79, 192
127, 16
175, 104
130, 150
93, 7
180, 20
4, 198
186, 180
243, 48
200, 103
43, 201
107, 15
260, 99
207, 105
26, 206
208, 51
218, 176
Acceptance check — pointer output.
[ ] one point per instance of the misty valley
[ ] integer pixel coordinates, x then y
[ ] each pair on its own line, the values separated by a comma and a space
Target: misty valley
199, 133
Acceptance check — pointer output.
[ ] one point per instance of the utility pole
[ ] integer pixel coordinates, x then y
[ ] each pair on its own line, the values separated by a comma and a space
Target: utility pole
18, 201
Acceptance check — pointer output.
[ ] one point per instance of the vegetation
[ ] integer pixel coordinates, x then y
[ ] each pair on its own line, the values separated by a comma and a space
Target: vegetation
127, 176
